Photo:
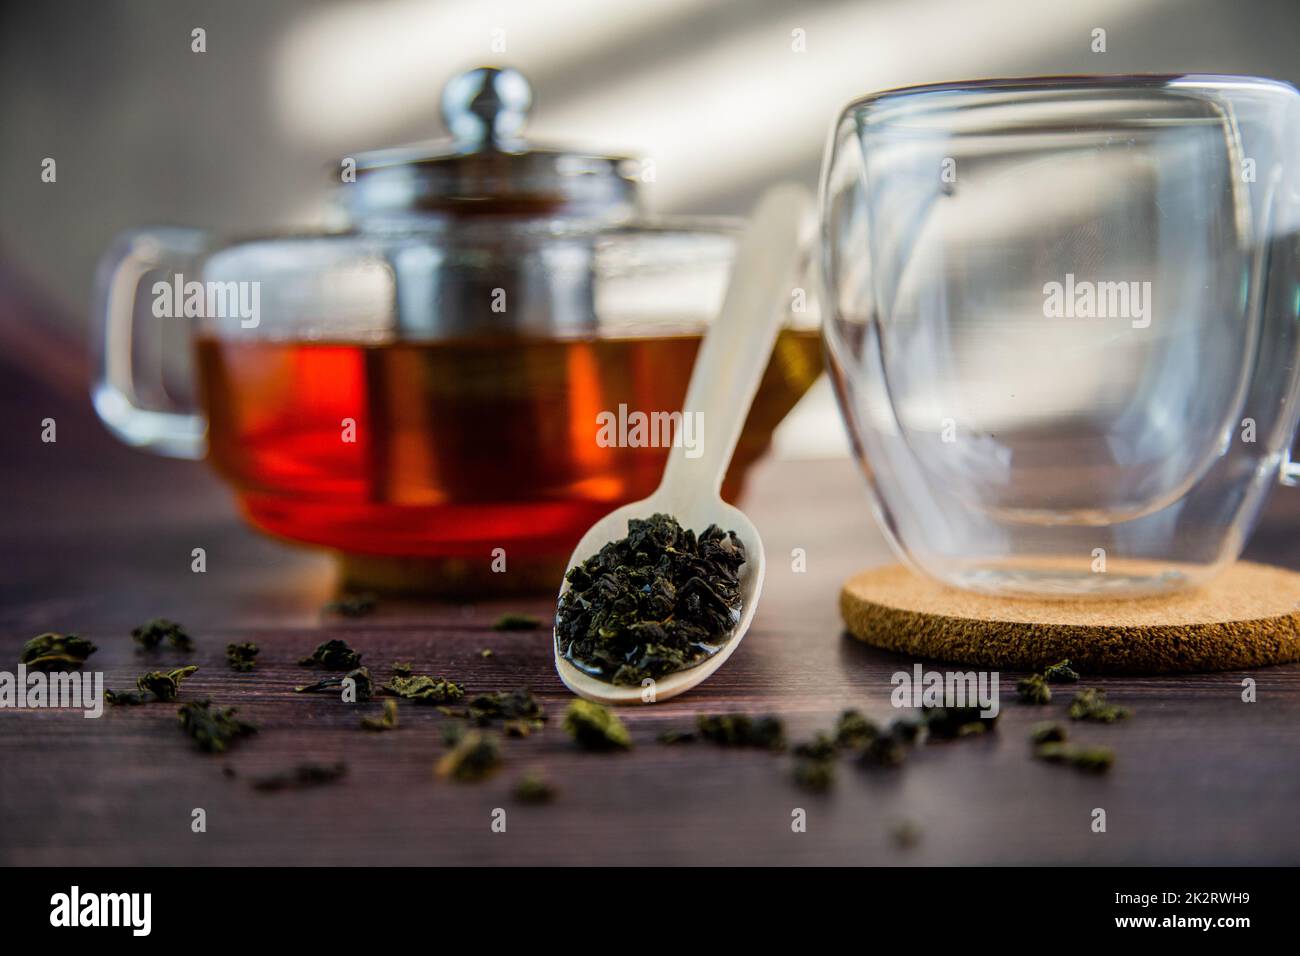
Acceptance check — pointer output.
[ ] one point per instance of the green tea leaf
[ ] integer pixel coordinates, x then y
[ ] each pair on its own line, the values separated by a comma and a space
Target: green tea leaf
594, 727
51, 651
152, 633
333, 655
213, 730
657, 601
240, 656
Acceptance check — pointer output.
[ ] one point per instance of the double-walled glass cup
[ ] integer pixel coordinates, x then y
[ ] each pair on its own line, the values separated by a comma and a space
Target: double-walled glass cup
1061, 320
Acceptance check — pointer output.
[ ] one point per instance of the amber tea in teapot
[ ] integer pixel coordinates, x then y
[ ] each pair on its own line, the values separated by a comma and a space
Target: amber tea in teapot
455, 447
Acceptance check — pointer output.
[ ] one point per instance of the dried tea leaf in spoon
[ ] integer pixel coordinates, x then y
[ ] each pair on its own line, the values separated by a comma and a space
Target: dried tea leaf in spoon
659, 600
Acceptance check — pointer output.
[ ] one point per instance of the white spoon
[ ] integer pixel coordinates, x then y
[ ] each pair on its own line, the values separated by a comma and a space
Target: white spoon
727, 371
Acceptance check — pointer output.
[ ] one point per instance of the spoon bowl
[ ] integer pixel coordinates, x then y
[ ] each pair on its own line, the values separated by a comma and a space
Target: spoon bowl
731, 361
614, 526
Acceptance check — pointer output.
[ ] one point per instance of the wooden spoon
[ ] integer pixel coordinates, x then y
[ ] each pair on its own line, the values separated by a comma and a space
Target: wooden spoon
727, 371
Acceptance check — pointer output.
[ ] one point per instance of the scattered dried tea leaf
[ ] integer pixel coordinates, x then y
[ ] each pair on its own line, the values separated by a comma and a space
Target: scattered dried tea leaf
240, 656
815, 775
165, 685
519, 728
486, 653
1033, 690
1090, 759
949, 723
515, 622
152, 633
352, 605
887, 750
905, 834
452, 734
821, 747
678, 737
153, 686
425, 689
360, 677
741, 730
384, 721
1093, 759
402, 668
518, 705
213, 730
333, 655
1047, 732
910, 729
475, 756
127, 697
594, 727
657, 601
301, 777
51, 651
1061, 673
1091, 704
854, 729
890, 748
533, 788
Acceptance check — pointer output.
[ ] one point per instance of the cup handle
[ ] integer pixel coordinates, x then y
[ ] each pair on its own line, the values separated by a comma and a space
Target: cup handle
116, 390
1289, 473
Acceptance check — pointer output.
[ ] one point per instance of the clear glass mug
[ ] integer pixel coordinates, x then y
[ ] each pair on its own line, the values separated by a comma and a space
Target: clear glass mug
1061, 320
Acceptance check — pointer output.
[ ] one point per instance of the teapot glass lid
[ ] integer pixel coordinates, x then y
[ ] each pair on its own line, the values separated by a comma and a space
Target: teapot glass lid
487, 167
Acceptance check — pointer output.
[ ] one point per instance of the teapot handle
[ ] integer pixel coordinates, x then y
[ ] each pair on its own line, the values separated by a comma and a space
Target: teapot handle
119, 380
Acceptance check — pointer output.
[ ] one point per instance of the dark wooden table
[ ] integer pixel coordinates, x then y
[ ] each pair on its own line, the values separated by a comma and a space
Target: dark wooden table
97, 538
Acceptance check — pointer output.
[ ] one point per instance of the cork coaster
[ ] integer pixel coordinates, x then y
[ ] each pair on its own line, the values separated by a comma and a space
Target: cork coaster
1248, 616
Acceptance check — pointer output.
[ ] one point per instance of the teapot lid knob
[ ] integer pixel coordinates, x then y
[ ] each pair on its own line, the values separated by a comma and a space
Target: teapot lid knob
486, 108
488, 166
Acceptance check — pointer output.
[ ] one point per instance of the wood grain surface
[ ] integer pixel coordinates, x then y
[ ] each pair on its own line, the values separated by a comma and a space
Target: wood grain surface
96, 538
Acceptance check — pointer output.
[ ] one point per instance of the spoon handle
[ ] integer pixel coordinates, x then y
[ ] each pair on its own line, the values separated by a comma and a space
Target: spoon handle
738, 344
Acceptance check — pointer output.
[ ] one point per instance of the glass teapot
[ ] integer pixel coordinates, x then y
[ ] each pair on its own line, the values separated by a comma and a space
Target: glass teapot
453, 386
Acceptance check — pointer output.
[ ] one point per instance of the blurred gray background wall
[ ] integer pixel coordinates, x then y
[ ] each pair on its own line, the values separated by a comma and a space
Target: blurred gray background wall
242, 137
